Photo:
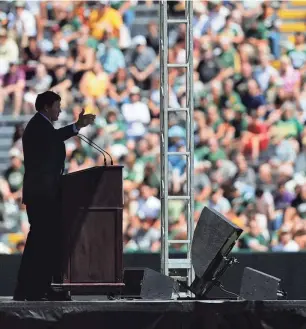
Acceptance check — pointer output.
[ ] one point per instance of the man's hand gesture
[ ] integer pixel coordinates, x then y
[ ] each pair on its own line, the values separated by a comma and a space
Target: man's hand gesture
84, 120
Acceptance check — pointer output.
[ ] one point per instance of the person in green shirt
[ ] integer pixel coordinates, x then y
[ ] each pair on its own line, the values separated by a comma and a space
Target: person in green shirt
70, 25
254, 239
229, 98
288, 125
256, 30
115, 127
229, 58
232, 30
133, 171
14, 174
216, 153
213, 117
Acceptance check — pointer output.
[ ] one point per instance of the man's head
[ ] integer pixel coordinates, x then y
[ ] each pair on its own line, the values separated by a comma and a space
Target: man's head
217, 194
102, 6
246, 70
14, 67
60, 71
32, 41
225, 43
285, 62
265, 172
299, 38
16, 158
259, 193
254, 228
253, 87
228, 86
41, 71
112, 115
206, 51
241, 163
49, 104
146, 191
300, 238
98, 68
135, 94
140, 43
264, 60
285, 236
213, 145
20, 6
56, 40
153, 27
143, 146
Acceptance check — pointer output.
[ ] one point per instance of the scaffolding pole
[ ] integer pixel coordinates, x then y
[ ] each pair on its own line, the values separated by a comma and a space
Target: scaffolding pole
167, 263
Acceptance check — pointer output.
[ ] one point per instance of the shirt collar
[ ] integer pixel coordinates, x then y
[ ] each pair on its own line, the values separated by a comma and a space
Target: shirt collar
45, 117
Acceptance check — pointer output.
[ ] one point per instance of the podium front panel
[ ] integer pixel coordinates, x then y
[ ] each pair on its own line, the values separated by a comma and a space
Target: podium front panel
92, 208
97, 253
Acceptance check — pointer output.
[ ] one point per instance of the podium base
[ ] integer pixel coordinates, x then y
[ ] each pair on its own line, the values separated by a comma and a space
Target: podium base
91, 288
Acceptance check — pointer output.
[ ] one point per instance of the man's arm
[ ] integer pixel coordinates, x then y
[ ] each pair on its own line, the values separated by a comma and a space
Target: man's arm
64, 85
66, 132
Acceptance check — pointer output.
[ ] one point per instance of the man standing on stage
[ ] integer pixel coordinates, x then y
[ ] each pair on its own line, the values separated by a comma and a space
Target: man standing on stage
44, 158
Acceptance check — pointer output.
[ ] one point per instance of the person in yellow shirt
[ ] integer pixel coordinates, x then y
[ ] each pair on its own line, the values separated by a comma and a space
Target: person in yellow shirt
94, 85
103, 19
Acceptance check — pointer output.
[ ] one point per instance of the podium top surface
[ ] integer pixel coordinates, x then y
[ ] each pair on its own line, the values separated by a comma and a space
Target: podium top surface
95, 168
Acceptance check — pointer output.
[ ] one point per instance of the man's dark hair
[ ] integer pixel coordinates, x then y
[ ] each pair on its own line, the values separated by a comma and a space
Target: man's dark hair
299, 33
299, 233
46, 99
259, 192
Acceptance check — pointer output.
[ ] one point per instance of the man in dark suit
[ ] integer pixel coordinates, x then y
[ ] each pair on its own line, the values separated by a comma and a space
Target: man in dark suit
44, 158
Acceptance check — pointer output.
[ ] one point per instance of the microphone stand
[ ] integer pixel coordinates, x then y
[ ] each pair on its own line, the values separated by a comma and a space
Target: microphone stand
90, 142
96, 148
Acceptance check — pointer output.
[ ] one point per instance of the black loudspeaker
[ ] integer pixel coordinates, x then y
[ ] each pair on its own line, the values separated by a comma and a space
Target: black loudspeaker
256, 285
213, 239
148, 284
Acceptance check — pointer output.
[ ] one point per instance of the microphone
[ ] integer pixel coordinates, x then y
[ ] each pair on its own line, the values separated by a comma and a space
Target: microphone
90, 142
105, 163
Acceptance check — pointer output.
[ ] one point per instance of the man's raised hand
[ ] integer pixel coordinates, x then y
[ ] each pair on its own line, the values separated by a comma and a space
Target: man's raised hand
85, 120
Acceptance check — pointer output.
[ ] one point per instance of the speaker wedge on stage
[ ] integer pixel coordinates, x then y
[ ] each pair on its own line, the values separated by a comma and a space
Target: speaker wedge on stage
213, 239
256, 285
148, 284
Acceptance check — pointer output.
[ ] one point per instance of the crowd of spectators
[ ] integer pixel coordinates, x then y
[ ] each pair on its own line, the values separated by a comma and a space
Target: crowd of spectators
250, 140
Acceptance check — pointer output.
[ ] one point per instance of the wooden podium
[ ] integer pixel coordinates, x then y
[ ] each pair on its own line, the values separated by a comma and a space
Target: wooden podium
92, 208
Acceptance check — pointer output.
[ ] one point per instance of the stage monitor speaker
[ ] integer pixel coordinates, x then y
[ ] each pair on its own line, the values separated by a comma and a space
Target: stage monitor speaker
148, 284
213, 239
256, 285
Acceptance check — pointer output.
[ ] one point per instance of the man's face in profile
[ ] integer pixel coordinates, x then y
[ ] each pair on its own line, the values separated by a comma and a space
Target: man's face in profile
54, 111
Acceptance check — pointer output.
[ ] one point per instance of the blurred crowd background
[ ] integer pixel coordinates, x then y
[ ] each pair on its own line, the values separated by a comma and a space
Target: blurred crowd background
250, 110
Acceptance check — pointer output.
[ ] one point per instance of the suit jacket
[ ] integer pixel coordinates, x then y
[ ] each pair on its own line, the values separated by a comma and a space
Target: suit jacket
44, 159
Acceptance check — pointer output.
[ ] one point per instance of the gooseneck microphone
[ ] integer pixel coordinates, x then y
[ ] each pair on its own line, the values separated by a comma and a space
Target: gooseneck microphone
97, 147
100, 151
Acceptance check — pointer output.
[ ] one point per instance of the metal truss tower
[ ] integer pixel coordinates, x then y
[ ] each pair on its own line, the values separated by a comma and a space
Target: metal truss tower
168, 265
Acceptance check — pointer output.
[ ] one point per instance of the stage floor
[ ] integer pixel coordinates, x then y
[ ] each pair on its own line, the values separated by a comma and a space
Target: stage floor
91, 312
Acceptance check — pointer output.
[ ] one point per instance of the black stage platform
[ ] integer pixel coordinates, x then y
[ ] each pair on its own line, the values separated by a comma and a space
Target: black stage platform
140, 314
